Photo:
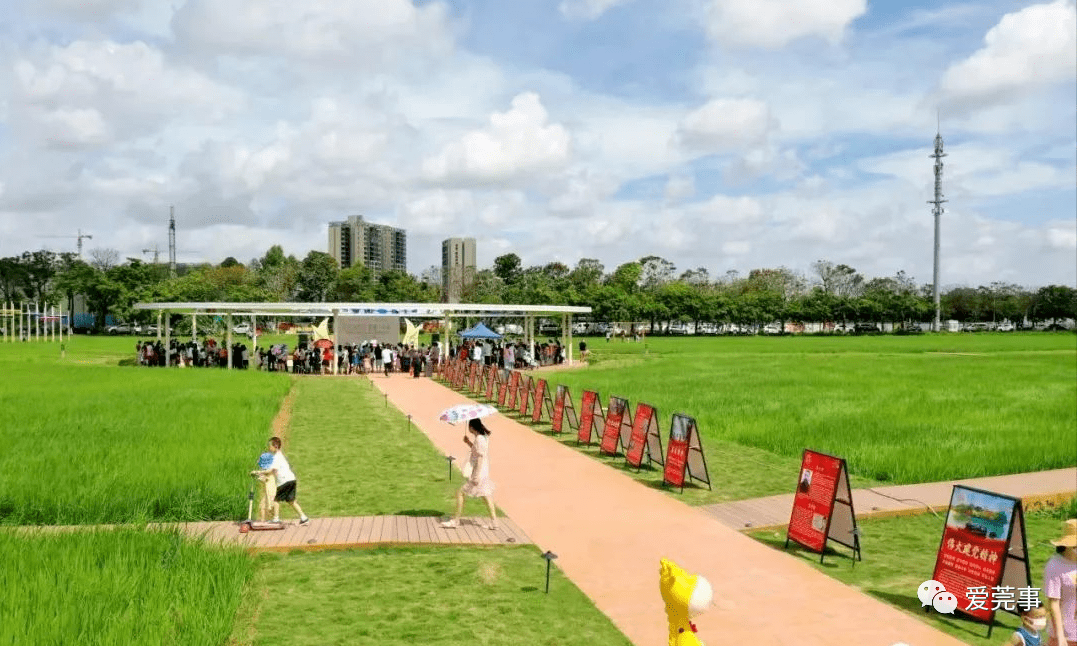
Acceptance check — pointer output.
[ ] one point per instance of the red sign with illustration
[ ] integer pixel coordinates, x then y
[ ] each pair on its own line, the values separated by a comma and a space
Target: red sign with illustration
540, 399
559, 409
503, 389
525, 395
677, 453
474, 375
611, 434
974, 548
641, 427
514, 385
814, 500
491, 375
587, 415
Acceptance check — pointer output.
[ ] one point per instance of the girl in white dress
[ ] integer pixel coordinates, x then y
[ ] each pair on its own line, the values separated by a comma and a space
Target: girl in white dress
478, 483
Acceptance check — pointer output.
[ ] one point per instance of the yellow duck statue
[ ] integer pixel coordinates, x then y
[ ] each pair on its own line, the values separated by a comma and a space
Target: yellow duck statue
685, 596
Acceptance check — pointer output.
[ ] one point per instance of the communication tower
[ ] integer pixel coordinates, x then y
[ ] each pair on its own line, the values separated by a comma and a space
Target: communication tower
172, 241
937, 210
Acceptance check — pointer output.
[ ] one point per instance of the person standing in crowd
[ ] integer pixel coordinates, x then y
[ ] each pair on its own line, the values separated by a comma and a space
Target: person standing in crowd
387, 359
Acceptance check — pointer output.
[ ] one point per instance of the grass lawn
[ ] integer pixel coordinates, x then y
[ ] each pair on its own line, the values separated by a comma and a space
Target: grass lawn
118, 587
407, 596
898, 409
899, 554
355, 456
87, 442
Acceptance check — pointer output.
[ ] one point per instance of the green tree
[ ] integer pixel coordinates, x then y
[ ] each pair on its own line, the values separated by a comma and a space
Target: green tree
508, 268
354, 284
316, 277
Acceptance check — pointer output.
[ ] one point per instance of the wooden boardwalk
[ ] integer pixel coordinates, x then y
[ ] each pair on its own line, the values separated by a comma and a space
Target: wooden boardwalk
361, 531
341, 533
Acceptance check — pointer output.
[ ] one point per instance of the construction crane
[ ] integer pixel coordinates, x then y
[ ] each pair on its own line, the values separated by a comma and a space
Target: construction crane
80, 236
156, 254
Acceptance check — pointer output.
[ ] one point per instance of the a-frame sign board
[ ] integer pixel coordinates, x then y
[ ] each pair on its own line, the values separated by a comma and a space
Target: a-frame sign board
541, 402
503, 388
823, 506
525, 394
563, 410
514, 387
983, 547
684, 453
646, 437
618, 426
461, 375
591, 420
491, 381
473, 383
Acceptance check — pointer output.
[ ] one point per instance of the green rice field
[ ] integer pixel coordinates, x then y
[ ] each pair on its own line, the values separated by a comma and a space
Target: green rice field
88, 442
899, 409
101, 588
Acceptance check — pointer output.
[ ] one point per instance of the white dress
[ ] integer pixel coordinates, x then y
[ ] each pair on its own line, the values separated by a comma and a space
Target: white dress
483, 485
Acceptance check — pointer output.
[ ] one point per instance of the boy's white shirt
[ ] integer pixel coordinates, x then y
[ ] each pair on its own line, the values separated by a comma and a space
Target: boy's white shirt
284, 470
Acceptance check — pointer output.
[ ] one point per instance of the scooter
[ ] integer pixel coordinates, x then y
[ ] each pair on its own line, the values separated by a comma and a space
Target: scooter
250, 525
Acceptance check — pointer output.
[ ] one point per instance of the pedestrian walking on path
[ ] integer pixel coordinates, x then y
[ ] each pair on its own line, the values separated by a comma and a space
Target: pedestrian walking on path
478, 484
1060, 587
286, 482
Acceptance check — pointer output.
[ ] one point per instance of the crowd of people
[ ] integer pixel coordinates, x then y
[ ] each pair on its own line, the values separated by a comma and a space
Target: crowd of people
509, 354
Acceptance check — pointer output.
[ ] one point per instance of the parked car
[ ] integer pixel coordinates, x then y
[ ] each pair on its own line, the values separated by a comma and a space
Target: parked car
242, 328
1005, 326
773, 328
120, 328
145, 329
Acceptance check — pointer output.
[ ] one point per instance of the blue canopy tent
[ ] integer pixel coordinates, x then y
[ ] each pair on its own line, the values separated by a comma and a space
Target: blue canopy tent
480, 331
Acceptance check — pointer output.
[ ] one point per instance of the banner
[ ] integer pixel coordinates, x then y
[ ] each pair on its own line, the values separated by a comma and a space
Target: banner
514, 386
563, 404
491, 379
590, 417
983, 547
684, 453
541, 401
363, 329
473, 383
615, 425
823, 505
645, 436
525, 394
503, 388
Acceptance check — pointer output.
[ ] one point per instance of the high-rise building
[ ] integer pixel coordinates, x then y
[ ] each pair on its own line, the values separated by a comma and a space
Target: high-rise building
378, 247
457, 267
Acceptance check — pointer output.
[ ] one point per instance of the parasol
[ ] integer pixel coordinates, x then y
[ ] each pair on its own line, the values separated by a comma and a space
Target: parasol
465, 412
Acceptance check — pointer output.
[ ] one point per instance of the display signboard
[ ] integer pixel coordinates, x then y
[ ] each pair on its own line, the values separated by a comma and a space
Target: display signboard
591, 421
503, 388
684, 453
983, 552
474, 377
357, 330
616, 414
525, 394
646, 437
823, 505
491, 380
514, 386
541, 401
563, 410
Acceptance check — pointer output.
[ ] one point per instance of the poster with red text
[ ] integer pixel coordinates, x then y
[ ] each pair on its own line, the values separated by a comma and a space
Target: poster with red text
503, 388
684, 453
982, 547
611, 433
473, 384
590, 417
514, 386
563, 406
541, 401
525, 394
823, 505
491, 379
645, 437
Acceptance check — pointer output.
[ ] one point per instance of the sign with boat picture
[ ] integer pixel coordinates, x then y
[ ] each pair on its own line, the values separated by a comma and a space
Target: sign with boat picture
983, 546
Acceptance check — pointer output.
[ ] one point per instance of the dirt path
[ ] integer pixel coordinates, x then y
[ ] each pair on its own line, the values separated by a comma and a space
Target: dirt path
284, 415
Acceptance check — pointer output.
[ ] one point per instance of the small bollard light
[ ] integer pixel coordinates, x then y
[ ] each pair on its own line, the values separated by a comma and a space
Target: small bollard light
450, 458
549, 556
409, 421
387, 400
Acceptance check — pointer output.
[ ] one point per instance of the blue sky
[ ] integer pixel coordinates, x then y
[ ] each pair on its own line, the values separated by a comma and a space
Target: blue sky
725, 134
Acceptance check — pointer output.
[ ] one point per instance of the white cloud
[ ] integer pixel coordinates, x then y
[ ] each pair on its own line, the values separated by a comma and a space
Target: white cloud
517, 144
587, 9
725, 124
679, 187
776, 23
73, 127
1028, 48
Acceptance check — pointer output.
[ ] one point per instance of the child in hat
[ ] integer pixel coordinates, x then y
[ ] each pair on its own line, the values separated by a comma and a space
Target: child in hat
1060, 587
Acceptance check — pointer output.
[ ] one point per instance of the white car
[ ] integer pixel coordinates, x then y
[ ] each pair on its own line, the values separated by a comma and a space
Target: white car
242, 328
1005, 326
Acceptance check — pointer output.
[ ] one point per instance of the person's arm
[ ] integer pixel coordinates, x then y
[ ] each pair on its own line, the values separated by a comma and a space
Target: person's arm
1054, 608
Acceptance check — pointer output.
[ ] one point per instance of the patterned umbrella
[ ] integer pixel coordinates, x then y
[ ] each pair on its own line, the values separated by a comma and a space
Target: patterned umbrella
465, 412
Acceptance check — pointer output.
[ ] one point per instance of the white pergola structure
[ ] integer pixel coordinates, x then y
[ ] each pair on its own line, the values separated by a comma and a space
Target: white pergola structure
441, 311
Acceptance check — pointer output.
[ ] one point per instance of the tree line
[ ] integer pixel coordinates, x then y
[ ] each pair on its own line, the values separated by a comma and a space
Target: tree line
646, 290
